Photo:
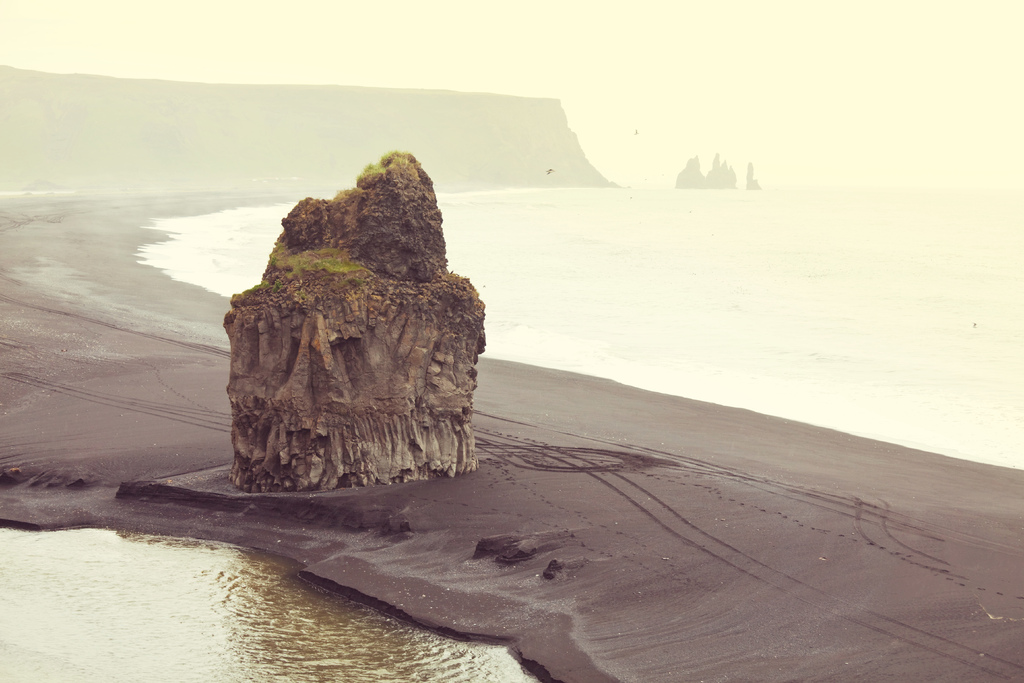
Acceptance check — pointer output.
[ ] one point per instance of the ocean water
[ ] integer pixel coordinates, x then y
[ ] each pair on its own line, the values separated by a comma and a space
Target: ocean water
94, 605
894, 314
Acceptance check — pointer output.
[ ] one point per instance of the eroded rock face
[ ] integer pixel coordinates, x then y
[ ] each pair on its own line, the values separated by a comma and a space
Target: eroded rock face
389, 223
354, 370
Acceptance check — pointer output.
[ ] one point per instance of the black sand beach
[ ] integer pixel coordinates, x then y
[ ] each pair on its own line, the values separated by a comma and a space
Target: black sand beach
684, 540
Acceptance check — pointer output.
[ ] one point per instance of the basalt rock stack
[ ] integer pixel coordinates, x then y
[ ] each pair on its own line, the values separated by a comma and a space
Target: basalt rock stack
352, 362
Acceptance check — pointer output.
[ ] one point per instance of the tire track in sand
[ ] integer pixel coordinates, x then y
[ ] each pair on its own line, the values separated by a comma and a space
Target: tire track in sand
196, 417
668, 518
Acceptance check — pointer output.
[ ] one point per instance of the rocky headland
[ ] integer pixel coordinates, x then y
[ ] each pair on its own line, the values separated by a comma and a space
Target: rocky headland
352, 362
95, 132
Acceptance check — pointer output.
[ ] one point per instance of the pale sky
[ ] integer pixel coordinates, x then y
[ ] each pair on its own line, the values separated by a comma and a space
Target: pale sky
822, 93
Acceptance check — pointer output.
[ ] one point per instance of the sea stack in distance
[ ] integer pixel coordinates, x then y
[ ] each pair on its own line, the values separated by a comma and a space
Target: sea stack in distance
752, 183
352, 362
691, 177
720, 177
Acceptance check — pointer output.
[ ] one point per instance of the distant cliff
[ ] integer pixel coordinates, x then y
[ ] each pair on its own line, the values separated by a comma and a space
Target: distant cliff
94, 131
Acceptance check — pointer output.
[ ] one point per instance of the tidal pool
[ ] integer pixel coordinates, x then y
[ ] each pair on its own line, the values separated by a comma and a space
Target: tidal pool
96, 605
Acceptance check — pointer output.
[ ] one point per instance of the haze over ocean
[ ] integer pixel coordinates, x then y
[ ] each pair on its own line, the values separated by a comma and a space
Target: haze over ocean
884, 313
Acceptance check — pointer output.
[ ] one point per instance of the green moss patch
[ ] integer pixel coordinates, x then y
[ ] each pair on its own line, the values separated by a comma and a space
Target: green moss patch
251, 290
327, 260
395, 160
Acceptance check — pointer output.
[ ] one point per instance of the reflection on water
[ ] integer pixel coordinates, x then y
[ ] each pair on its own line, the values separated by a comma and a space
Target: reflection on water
94, 605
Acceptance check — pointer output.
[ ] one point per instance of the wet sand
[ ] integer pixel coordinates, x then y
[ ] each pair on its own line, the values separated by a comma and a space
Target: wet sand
695, 542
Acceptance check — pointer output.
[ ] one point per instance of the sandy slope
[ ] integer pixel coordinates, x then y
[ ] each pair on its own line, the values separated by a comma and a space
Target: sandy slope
697, 542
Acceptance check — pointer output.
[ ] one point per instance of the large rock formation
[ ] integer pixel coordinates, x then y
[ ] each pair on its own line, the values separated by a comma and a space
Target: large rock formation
352, 362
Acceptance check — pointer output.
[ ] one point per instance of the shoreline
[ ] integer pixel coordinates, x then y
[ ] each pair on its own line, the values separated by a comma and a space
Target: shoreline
905, 408
694, 540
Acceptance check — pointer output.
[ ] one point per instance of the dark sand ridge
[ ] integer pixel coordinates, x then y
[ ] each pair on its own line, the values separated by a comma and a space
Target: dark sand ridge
698, 542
